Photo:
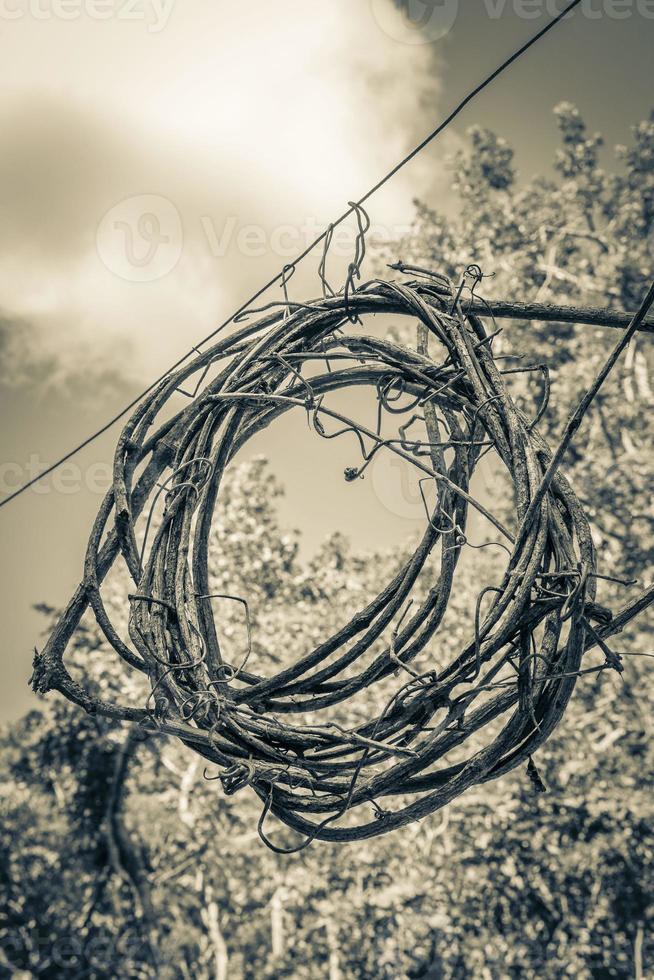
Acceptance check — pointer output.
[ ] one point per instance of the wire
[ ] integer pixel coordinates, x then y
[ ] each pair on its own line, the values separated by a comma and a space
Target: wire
302, 255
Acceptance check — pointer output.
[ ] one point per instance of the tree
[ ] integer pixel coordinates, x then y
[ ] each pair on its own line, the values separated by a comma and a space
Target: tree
586, 239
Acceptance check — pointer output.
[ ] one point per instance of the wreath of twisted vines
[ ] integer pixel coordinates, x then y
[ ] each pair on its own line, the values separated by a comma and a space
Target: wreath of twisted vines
525, 647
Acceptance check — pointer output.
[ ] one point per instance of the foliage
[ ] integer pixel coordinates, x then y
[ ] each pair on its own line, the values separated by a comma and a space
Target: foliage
585, 239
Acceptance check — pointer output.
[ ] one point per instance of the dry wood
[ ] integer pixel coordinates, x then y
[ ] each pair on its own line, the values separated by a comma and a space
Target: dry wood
525, 647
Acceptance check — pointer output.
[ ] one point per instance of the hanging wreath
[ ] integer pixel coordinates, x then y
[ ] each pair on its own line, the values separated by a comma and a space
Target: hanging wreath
442, 730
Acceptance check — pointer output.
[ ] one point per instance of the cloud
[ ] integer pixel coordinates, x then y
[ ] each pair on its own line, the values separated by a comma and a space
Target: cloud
237, 116
58, 165
30, 367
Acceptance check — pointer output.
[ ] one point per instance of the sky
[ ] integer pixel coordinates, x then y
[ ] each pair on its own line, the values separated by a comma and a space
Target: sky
162, 159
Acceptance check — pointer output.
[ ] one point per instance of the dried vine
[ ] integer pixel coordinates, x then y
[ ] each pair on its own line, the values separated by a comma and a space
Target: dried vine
513, 677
